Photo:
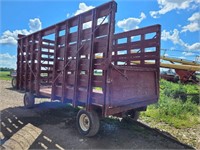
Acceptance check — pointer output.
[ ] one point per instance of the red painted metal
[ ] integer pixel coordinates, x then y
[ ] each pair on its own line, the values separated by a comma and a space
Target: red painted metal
184, 75
81, 61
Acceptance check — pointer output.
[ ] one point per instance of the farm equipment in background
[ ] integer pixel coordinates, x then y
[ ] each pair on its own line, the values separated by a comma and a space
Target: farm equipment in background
169, 76
185, 70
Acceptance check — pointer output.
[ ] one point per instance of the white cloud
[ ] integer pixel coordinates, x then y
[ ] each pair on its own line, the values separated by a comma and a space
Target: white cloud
194, 46
188, 53
192, 27
82, 8
35, 24
194, 17
169, 5
10, 37
194, 24
131, 23
173, 36
7, 60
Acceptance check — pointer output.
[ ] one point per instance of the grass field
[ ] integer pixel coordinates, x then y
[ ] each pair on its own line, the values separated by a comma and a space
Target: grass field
5, 75
178, 105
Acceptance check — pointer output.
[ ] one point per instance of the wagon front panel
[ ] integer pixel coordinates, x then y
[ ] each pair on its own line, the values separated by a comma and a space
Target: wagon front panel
134, 77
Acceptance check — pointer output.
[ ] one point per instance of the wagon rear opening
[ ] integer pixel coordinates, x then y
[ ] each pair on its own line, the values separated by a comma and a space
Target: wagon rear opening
81, 61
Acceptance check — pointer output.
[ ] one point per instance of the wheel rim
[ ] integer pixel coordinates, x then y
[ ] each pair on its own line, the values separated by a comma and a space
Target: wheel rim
84, 122
14, 82
26, 101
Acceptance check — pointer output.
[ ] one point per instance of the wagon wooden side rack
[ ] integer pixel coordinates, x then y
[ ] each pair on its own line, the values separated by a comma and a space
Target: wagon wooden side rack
81, 61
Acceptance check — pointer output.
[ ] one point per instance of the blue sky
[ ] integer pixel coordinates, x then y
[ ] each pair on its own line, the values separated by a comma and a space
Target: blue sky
180, 21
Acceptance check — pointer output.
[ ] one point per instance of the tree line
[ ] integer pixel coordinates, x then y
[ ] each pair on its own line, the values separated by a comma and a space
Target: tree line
6, 69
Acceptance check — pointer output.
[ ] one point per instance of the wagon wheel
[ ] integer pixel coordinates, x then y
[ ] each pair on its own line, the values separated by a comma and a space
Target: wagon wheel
29, 100
87, 123
135, 115
14, 82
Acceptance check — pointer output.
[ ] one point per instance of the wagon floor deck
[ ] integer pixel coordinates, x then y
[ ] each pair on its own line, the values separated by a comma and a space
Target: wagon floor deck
45, 90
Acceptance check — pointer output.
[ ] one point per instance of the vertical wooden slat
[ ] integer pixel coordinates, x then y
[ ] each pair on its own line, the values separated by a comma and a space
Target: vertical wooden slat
26, 64
37, 88
21, 65
128, 50
18, 63
91, 67
158, 36
32, 63
142, 49
107, 80
77, 71
115, 53
55, 74
48, 76
65, 61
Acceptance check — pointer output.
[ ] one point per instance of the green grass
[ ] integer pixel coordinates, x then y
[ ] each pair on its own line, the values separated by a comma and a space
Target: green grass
5, 75
175, 107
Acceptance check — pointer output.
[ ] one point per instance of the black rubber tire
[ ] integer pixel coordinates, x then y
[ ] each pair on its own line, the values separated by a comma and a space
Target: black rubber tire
135, 116
93, 125
14, 82
29, 100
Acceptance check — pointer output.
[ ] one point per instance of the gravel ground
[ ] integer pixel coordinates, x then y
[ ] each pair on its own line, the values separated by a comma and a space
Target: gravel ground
191, 136
57, 122
9, 98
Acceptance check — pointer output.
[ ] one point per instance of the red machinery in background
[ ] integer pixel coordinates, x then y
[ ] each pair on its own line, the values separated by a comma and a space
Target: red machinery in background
185, 70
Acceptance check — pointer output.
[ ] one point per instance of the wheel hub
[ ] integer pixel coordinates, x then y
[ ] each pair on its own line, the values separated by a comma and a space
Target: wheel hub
84, 122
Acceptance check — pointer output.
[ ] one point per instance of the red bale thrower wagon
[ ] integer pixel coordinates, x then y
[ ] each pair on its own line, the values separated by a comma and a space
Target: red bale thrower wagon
82, 62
